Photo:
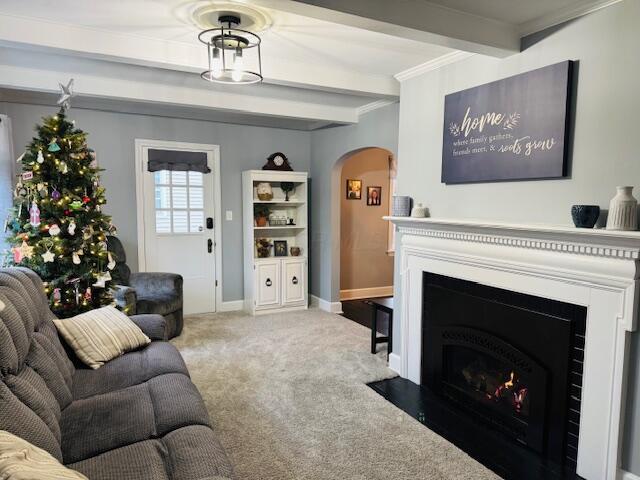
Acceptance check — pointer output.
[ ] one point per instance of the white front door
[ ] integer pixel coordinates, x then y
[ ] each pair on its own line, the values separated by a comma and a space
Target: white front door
178, 225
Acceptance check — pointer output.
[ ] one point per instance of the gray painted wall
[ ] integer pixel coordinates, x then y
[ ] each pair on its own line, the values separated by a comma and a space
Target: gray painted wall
329, 146
112, 136
605, 152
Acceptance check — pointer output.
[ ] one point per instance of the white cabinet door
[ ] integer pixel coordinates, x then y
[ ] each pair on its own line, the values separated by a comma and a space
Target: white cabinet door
293, 282
268, 284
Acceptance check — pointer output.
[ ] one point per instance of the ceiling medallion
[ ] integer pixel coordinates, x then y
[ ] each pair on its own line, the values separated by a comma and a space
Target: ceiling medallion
233, 54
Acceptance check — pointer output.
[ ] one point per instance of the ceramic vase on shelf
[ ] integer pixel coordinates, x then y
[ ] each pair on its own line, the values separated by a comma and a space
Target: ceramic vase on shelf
623, 211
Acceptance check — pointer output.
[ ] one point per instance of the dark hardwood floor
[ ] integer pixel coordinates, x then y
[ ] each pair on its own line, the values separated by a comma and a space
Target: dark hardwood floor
360, 312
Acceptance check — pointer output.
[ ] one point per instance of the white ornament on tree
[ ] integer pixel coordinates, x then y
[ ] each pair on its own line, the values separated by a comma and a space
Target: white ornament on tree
102, 279
72, 228
112, 263
48, 256
54, 230
40, 158
75, 258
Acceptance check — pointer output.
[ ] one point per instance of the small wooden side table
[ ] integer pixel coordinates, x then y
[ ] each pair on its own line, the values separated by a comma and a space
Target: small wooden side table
381, 305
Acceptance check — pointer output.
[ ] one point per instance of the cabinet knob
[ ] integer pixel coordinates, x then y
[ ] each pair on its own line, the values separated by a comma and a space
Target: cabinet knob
294, 280
268, 283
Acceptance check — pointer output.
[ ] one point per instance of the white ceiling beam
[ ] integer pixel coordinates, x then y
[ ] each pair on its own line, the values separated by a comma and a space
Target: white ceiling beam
417, 20
92, 43
22, 70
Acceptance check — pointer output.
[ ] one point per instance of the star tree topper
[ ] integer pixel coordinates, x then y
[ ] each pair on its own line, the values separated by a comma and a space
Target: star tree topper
66, 92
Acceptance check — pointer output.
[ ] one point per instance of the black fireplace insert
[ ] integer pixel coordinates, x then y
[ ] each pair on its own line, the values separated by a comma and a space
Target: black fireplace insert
507, 365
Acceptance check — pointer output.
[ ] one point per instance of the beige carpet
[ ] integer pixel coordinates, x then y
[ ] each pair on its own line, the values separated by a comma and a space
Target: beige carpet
287, 396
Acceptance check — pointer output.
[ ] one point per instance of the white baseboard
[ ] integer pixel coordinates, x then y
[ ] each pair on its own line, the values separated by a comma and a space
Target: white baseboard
322, 304
628, 475
372, 292
394, 362
232, 306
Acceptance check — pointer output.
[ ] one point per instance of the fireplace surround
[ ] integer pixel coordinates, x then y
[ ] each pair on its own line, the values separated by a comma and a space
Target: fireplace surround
592, 270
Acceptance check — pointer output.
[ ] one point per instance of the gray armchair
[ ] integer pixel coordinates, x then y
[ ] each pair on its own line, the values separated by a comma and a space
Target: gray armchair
145, 292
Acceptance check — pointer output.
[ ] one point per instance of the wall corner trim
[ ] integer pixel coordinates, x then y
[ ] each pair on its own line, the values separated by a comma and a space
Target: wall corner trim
563, 15
394, 364
322, 304
369, 107
431, 65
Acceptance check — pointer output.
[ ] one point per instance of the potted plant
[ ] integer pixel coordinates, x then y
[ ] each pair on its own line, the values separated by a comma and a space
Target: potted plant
263, 247
287, 187
261, 215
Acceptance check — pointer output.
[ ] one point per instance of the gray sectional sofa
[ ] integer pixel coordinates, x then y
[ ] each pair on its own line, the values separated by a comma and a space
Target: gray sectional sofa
139, 417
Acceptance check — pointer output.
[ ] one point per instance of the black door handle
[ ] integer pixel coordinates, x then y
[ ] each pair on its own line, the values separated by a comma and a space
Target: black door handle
209, 223
268, 282
209, 245
294, 280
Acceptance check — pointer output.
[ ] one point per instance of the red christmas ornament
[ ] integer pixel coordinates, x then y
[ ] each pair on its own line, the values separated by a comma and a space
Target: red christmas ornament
67, 212
86, 199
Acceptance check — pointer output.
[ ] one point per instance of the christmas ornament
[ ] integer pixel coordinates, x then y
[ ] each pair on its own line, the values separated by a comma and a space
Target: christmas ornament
75, 205
53, 146
27, 176
102, 279
56, 295
34, 214
67, 212
62, 166
42, 189
48, 256
66, 92
54, 230
86, 199
87, 294
55, 194
112, 263
26, 250
21, 157
40, 158
71, 229
87, 232
75, 258
17, 254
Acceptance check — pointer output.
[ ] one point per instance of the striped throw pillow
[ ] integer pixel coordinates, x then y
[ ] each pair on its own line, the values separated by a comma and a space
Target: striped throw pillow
19, 460
101, 335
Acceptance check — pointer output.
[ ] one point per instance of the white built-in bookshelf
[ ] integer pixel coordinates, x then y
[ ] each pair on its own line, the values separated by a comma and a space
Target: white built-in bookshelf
275, 283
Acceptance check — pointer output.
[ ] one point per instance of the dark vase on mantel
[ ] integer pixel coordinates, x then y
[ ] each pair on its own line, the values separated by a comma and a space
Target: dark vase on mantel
585, 216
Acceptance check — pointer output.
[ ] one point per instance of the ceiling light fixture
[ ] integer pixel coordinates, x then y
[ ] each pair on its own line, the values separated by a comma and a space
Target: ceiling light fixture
234, 54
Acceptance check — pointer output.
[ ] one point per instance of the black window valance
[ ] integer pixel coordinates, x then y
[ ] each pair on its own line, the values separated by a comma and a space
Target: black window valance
177, 160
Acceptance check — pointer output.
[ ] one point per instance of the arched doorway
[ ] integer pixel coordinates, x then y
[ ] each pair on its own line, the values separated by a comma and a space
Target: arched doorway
366, 181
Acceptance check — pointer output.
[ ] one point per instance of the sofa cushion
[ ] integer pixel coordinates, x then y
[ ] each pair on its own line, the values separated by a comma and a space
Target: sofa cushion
152, 409
20, 460
130, 369
17, 418
188, 453
100, 335
160, 303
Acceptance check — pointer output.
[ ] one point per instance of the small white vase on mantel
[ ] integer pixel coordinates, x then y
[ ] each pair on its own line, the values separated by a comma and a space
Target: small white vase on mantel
623, 211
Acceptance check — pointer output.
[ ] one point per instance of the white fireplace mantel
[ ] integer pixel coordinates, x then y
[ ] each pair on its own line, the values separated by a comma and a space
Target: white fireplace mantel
595, 268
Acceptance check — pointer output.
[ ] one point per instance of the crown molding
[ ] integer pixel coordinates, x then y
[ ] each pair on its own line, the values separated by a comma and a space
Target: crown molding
369, 107
431, 65
563, 15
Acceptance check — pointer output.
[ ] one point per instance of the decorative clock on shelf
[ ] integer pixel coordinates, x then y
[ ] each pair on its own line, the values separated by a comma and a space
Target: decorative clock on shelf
277, 161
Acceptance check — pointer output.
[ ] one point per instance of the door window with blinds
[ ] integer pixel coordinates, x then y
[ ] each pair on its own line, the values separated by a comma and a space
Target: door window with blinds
179, 201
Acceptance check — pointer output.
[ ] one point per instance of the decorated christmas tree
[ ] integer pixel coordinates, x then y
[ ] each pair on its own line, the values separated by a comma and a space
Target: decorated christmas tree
57, 226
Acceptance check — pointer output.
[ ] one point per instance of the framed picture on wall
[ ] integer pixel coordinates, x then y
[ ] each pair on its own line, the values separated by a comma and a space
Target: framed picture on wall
354, 189
280, 248
374, 196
